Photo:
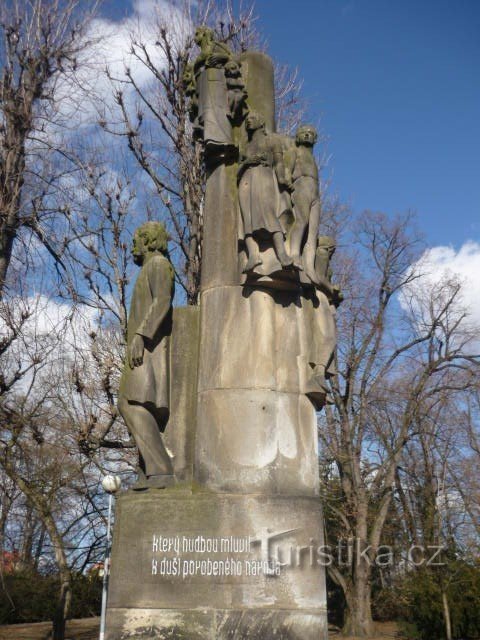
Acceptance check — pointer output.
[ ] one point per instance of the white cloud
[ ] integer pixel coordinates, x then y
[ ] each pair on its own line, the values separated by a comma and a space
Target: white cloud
437, 267
53, 335
87, 93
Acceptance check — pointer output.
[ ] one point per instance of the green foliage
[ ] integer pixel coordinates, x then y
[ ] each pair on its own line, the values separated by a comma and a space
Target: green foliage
387, 604
86, 596
27, 596
419, 601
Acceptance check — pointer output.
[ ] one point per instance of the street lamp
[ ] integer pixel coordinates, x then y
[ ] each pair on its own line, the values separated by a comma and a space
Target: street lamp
111, 485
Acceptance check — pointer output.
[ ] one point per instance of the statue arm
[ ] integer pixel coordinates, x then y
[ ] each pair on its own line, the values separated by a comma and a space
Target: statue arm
219, 55
289, 164
161, 281
279, 165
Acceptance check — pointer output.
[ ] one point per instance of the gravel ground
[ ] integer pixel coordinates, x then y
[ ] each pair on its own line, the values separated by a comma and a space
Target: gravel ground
84, 629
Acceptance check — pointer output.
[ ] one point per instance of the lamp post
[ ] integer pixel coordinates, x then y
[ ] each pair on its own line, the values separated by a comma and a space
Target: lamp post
111, 485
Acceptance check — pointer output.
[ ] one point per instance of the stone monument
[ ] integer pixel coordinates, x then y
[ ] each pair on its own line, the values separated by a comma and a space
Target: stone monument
222, 535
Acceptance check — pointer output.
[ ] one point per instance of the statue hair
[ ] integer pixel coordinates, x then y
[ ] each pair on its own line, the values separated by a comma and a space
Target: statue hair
154, 236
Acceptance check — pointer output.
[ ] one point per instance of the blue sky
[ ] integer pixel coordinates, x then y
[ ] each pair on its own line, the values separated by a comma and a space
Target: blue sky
395, 86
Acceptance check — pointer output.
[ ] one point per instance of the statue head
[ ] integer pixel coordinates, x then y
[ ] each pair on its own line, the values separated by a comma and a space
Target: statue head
306, 135
326, 243
151, 237
232, 68
254, 121
203, 34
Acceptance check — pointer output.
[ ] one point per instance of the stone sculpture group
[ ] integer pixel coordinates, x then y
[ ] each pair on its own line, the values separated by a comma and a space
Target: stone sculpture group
221, 398
279, 203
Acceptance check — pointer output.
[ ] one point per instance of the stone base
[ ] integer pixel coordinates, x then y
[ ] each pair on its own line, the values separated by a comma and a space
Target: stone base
207, 624
200, 565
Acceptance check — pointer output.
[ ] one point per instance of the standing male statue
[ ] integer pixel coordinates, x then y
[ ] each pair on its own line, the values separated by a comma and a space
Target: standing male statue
302, 173
144, 387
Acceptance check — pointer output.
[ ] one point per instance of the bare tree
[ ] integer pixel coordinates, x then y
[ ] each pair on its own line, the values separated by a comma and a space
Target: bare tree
433, 512
394, 362
40, 40
102, 222
463, 467
39, 444
22, 412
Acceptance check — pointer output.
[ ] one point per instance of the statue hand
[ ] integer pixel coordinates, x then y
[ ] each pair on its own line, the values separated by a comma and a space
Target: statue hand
337, 296
258, 158
286, 183
215, 60
135, 356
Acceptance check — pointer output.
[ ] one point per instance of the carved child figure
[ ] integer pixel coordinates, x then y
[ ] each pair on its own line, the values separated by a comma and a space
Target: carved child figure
323, 340
189, 84
144, 387
303, 179
325, 249
237, 94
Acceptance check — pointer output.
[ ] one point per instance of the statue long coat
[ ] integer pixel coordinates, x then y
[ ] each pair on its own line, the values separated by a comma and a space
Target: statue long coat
151, 317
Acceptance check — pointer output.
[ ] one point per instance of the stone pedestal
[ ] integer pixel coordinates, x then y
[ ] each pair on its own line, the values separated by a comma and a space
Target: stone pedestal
208, 566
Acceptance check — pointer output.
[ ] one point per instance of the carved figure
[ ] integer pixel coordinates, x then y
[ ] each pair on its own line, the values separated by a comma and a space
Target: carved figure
302, 177
236, 91
144, 387
260, 174
189, 84
323, 332
213, 107
325, 249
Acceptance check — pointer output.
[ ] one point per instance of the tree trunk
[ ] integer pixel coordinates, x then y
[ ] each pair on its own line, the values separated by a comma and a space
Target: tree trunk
446, 615
63, 606
6, 245
358, 620
45, 514
65, 595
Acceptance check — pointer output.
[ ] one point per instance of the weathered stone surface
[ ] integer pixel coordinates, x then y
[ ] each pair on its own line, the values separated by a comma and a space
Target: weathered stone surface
256, 430
249, 530
257, 71
220, 244
179, 436
272, 625
257, 440
164, 624
250, 339
226, 624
